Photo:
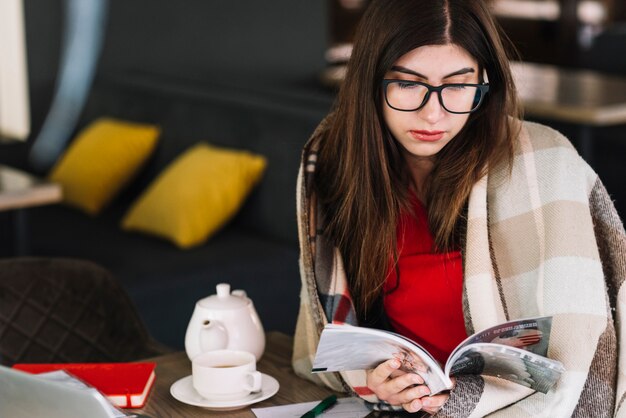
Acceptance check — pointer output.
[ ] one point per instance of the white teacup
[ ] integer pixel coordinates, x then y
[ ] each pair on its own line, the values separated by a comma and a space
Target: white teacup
224, 375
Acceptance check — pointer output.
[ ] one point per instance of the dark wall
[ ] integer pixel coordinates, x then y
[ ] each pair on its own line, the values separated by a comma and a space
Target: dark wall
43, 19
278, 39
198, 39
218, 41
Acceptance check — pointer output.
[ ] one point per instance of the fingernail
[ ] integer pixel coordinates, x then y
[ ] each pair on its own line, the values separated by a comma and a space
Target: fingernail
426, 402
395, 364
416, 405
418, 379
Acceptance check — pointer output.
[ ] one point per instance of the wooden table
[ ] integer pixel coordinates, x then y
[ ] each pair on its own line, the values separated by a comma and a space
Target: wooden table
20, 190
276, 362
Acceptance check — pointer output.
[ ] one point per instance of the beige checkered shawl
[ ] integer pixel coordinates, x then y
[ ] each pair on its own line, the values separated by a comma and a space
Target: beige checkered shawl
544, 241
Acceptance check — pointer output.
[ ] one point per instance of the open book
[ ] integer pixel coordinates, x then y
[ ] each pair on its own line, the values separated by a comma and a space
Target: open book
513, 351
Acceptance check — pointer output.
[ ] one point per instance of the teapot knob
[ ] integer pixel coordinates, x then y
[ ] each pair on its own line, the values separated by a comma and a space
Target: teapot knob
223, 290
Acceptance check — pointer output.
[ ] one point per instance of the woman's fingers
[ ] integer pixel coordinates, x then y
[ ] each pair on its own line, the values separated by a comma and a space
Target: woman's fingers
381, 373
432, 404
394, 390
408, 395
400, 383
396, 387
413, 406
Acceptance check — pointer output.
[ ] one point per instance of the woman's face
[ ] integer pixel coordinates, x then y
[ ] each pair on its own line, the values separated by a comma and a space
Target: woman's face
424, 132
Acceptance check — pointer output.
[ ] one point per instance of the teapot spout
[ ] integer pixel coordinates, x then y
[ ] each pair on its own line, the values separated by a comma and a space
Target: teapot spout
213, 336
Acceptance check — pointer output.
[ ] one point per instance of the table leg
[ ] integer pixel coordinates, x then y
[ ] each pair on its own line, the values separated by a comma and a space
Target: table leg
14, 233
585, 143
21, 231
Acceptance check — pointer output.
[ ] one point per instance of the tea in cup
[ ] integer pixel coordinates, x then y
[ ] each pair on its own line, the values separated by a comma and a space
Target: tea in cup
225, 375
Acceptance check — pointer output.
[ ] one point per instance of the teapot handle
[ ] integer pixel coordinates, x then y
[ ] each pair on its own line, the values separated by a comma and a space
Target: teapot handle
213, 336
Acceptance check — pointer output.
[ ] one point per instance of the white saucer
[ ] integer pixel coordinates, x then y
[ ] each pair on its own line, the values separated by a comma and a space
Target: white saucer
184, 391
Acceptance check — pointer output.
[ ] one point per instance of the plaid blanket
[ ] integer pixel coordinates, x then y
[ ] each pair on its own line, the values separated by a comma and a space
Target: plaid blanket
545, 240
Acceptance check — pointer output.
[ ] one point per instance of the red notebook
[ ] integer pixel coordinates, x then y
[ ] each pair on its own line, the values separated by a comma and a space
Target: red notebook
127, 385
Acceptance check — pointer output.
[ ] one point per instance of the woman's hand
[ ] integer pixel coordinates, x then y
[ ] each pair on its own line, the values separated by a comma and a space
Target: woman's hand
399, 388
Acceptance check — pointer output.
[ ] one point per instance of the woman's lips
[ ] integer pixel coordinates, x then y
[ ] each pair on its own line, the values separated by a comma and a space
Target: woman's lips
428, 136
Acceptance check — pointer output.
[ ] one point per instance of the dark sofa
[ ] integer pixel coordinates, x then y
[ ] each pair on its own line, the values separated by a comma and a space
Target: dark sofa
257, 251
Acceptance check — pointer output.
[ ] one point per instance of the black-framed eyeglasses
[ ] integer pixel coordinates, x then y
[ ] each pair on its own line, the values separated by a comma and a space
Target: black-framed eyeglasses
409, 96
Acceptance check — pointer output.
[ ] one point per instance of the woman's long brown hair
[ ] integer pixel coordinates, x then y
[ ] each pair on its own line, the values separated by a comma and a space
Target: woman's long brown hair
362, 178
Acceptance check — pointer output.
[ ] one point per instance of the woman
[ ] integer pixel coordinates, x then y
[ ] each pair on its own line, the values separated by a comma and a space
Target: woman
426, 206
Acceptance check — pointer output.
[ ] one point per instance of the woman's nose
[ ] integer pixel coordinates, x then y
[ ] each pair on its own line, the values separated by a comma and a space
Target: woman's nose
432, 110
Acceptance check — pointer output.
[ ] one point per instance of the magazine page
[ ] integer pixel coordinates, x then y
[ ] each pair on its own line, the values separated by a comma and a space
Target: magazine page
532, 334
514, 364
346, 347
54, 395
61, 376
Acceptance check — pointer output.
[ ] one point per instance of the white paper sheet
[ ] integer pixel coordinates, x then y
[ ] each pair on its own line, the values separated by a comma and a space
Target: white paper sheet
344, 408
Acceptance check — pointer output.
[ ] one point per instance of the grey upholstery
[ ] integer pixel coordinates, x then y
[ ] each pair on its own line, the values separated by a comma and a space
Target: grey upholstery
64, 310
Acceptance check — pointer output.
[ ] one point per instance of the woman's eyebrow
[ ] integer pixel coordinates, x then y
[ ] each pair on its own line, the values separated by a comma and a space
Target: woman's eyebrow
405, 70
462, 71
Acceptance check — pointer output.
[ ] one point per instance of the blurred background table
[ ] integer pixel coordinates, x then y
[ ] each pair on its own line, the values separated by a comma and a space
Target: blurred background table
577, 96
583, 98
20, 190
275, 362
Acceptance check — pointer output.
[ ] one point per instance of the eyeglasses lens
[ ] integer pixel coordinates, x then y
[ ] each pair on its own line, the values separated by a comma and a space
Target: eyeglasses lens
409, 96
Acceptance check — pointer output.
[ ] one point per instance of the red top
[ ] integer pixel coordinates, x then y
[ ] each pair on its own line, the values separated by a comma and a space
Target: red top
427, 305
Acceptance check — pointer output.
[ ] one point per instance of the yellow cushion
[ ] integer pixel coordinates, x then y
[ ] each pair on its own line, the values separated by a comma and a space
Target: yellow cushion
104, 157
196, 194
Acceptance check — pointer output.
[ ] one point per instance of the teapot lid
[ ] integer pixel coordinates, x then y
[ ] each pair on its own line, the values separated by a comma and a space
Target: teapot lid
223, 300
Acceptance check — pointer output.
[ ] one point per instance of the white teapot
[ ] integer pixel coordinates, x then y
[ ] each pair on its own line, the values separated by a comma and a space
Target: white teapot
225, 320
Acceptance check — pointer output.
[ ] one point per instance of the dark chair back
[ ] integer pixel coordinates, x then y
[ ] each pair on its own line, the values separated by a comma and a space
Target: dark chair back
64, 310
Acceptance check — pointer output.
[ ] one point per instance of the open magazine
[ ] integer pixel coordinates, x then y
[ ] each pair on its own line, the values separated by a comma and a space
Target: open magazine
52, 395
513, 351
